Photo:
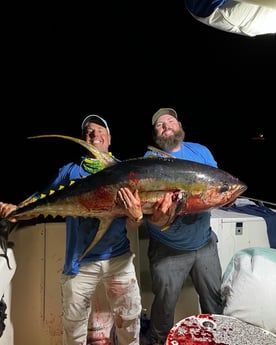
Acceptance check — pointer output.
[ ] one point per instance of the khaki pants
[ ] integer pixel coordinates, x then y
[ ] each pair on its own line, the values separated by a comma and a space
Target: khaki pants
117, 279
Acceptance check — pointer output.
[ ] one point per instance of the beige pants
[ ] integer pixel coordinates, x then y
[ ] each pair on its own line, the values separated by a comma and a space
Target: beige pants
101, 321
242, 18
117, 279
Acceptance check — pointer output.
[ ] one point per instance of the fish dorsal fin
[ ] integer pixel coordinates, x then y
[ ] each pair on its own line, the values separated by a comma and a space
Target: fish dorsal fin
104, 157
152, 148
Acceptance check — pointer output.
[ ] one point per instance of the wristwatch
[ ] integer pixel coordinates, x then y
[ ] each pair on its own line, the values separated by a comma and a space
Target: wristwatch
137, 220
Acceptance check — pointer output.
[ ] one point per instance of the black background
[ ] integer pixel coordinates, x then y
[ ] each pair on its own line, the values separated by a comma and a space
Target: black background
124, 60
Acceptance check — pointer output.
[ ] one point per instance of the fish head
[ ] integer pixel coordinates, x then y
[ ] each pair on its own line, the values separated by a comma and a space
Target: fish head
213, 196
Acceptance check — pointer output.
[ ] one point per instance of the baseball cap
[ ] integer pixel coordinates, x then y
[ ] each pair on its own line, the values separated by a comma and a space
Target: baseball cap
163, 111
96, 119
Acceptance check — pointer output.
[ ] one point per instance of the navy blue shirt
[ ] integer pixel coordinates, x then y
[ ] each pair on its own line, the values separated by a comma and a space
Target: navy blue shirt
80, 231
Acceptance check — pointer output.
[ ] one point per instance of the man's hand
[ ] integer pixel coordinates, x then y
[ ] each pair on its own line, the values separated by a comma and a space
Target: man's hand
6, 209
163, 211
132, 203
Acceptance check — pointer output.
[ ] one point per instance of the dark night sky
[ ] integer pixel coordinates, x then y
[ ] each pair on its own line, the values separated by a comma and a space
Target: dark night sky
124, 61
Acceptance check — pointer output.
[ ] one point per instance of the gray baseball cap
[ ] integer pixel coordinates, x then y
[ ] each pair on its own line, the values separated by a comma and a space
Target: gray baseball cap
163, 111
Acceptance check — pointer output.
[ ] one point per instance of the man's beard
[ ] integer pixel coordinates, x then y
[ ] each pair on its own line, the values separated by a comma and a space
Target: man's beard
169, 143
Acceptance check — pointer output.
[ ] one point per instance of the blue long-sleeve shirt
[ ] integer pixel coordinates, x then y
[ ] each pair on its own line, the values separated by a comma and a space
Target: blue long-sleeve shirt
80, 231
191, 231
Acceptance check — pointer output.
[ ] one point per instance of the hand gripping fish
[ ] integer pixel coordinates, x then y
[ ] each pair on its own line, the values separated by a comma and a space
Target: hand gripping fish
196, 188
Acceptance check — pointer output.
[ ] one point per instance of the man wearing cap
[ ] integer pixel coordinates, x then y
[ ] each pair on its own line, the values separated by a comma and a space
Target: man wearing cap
188, 247
109, 262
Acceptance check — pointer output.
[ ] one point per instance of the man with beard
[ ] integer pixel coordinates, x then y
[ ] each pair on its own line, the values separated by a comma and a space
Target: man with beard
188, 247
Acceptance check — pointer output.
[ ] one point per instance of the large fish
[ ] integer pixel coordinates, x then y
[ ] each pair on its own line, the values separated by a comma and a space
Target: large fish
196, 188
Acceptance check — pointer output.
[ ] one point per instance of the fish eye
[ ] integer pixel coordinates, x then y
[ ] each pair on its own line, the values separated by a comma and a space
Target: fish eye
224, 188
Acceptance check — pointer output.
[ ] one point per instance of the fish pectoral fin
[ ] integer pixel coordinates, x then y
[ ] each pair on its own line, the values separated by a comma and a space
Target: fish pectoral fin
166, 227
103, 227
169, 222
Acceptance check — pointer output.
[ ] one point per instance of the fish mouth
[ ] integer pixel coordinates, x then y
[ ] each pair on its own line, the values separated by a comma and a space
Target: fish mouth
243, 187
238, 189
